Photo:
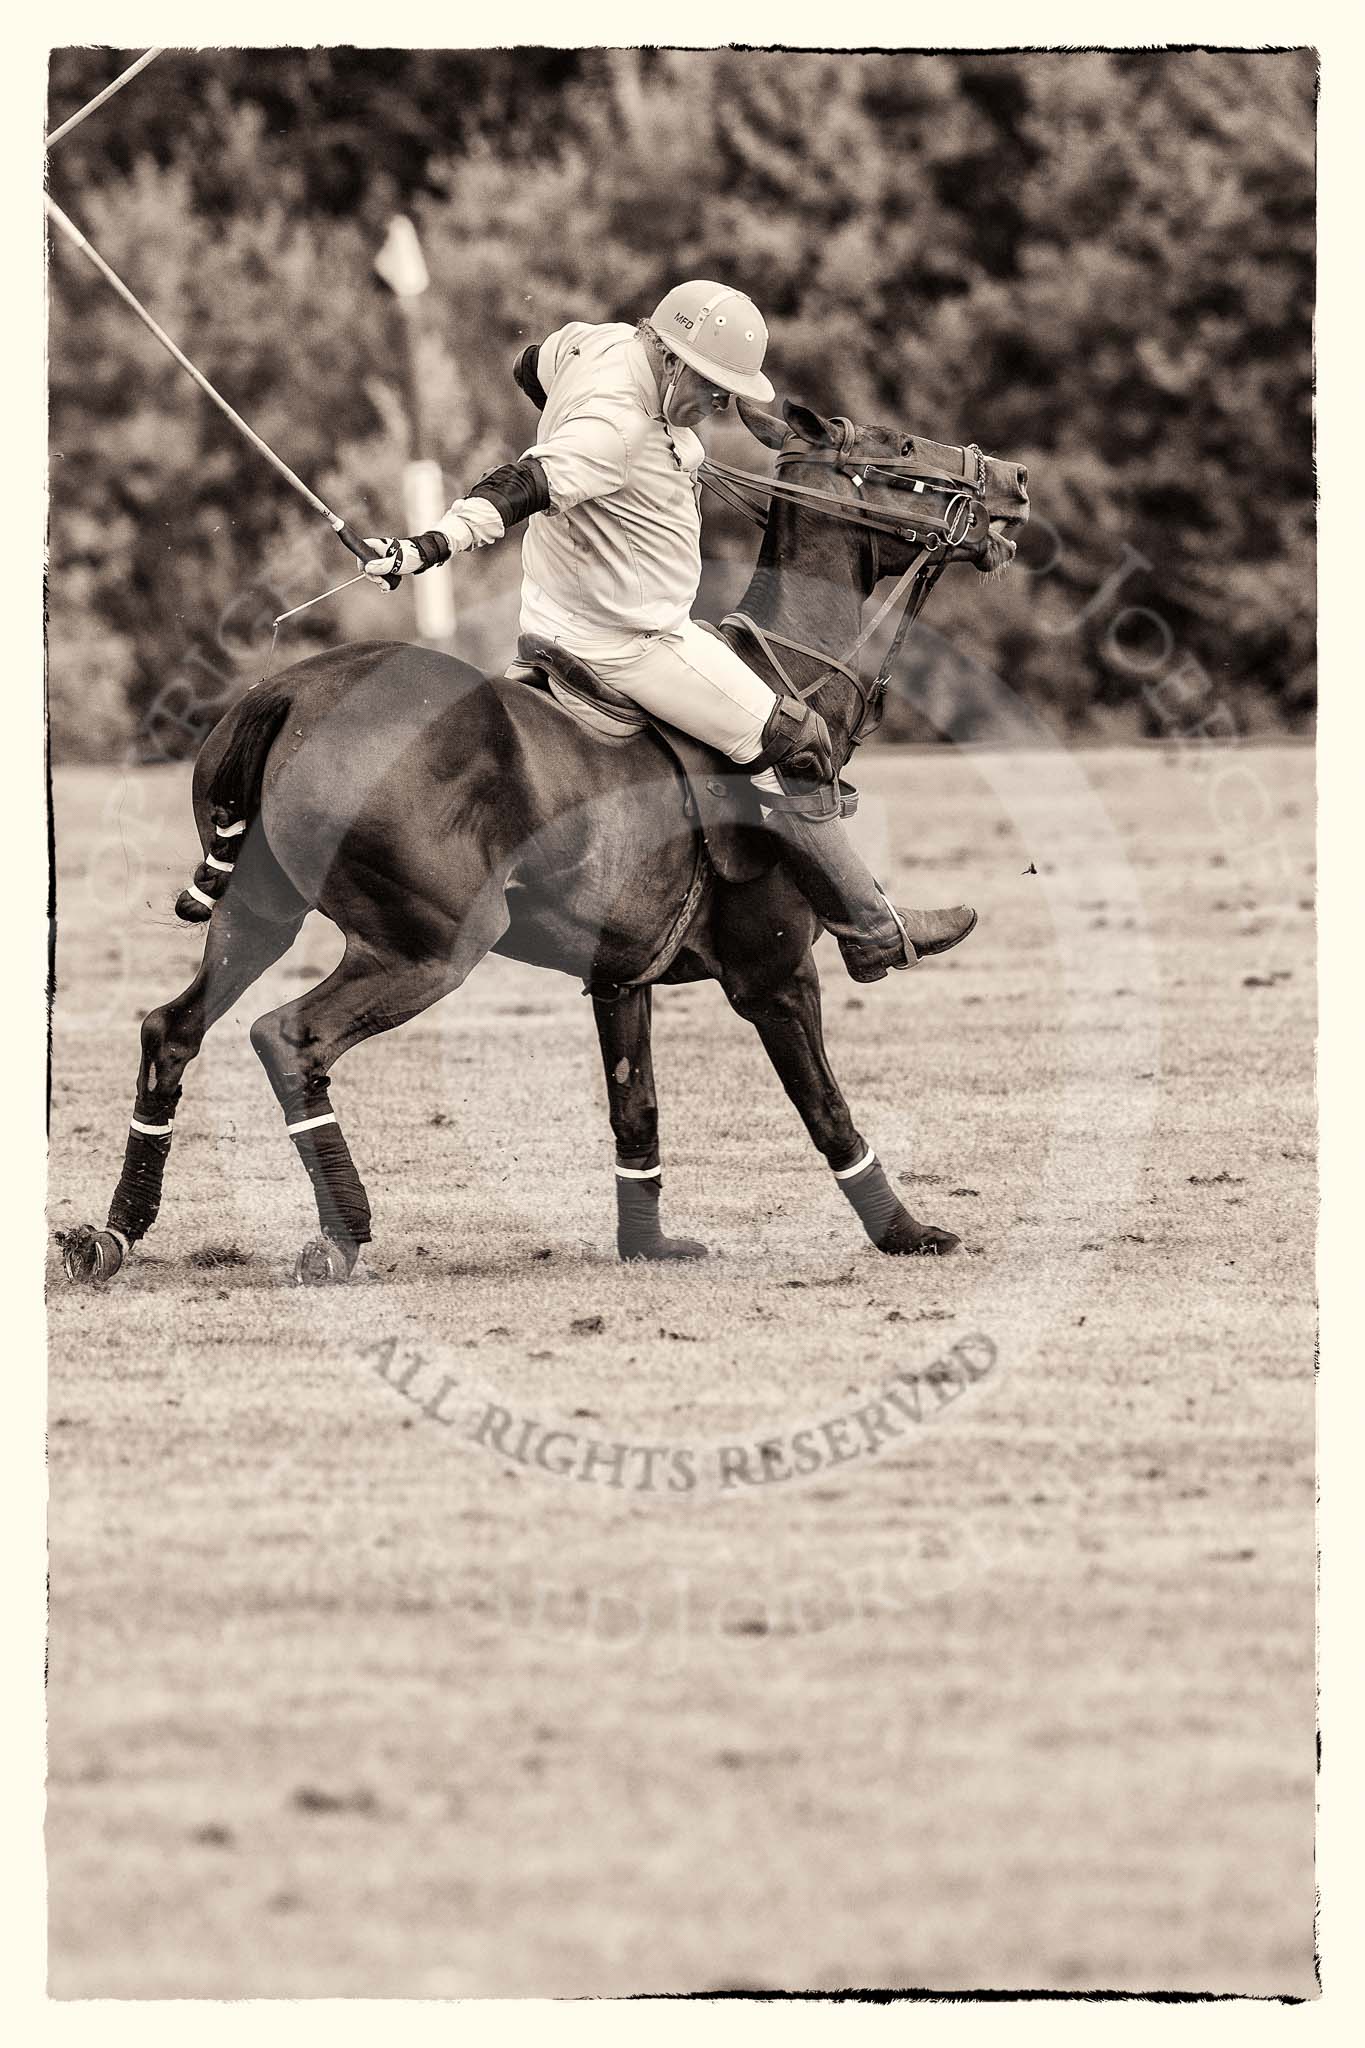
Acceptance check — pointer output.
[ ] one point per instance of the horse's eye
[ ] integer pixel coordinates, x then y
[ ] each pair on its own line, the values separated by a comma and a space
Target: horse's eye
907, 446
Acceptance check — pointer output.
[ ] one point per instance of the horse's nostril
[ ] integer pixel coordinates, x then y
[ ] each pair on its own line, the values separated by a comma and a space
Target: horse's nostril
1022, 475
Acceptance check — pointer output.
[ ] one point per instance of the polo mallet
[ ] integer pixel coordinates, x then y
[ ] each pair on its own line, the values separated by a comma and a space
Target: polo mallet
345, 534
147, 57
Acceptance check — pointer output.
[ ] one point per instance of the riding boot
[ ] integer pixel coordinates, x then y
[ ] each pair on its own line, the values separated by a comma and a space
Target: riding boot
834, 879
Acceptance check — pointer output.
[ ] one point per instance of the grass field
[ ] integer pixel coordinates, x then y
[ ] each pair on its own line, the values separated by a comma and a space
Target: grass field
349, 1698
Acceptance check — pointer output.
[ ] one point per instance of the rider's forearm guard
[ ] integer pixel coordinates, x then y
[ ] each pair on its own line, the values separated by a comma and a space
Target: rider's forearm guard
515, 490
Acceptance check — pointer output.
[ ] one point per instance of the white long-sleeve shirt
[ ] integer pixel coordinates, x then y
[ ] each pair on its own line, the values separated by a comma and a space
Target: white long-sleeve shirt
620, 551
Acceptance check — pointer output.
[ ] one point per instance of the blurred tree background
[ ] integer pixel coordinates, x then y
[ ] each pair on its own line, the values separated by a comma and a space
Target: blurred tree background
1100, 265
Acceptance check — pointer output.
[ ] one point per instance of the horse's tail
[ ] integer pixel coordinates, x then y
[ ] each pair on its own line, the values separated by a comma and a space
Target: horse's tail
234, 798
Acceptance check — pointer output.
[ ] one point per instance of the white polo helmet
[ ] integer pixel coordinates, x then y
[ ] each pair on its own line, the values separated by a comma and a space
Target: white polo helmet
716, 331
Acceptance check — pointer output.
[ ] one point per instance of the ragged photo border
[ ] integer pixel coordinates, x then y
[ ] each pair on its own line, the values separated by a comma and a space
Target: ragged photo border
1340, 408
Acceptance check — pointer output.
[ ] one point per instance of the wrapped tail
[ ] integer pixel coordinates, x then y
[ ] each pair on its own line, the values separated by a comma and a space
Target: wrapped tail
234, 798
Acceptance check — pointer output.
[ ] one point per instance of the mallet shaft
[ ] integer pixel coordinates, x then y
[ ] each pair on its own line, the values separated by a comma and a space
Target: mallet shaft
73, 234
100, 97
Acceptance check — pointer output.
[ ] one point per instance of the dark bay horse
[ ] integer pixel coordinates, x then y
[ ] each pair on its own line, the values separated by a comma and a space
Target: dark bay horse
435, 814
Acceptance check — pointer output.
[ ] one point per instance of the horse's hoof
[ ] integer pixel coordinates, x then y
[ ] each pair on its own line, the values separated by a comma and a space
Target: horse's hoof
661, 1249
90, 1257
918, 1240
324, 1263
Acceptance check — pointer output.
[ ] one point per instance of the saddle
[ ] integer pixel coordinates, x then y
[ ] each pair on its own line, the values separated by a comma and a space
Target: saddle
719, 797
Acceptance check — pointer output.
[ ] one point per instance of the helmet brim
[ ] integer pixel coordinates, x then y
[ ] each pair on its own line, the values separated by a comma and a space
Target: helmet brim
740, 383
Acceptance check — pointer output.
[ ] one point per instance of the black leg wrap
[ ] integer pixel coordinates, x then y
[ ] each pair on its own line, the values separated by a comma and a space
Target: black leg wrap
879, 1208
343, 1207
637, 1217
638, 1235
138, 1194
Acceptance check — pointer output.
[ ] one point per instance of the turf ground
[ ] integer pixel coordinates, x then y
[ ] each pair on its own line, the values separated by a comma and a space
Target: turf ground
351, 1695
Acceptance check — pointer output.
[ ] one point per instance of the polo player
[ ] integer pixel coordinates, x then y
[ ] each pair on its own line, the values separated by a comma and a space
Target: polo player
611, 563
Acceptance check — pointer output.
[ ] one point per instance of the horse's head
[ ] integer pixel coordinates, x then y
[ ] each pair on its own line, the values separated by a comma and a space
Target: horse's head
884, 462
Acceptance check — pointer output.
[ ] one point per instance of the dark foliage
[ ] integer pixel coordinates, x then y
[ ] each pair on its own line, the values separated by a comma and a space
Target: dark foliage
1101, 265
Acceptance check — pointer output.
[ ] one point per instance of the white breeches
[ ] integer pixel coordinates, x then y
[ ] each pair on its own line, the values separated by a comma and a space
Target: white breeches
691, 679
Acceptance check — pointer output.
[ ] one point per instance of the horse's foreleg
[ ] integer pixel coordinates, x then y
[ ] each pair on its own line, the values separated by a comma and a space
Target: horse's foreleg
623, 1031
239, 945
787, 1019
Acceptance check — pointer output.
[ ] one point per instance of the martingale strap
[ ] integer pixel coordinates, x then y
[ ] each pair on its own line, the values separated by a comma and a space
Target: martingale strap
830, 665
914, 584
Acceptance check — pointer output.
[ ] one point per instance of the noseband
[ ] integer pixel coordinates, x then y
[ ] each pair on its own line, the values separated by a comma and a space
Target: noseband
951, 515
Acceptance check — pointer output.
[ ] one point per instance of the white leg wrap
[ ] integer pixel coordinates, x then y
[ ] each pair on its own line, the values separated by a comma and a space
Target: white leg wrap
869, 1158
310, 1123
639, 1172
150, 1130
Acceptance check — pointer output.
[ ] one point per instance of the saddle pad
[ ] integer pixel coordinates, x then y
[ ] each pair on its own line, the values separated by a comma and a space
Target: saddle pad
607, 725
603, 725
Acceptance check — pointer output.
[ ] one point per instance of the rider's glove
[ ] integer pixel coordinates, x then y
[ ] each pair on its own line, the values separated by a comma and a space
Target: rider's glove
407, 557
468, 523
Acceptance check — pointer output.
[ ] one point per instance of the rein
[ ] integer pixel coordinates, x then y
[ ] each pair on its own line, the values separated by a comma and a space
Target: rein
962, 521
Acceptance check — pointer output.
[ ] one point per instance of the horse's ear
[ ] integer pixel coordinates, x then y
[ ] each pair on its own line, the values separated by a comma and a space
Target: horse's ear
764, 426
811, 426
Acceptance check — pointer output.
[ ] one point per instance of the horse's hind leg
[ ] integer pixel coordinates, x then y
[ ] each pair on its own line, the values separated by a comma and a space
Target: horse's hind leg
623, 1031
240, 943
374, 988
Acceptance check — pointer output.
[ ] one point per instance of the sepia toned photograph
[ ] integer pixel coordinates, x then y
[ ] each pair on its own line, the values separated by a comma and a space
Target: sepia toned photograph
680, 703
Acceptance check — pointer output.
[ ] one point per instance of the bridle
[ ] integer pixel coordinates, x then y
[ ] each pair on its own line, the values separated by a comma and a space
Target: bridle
951, 513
